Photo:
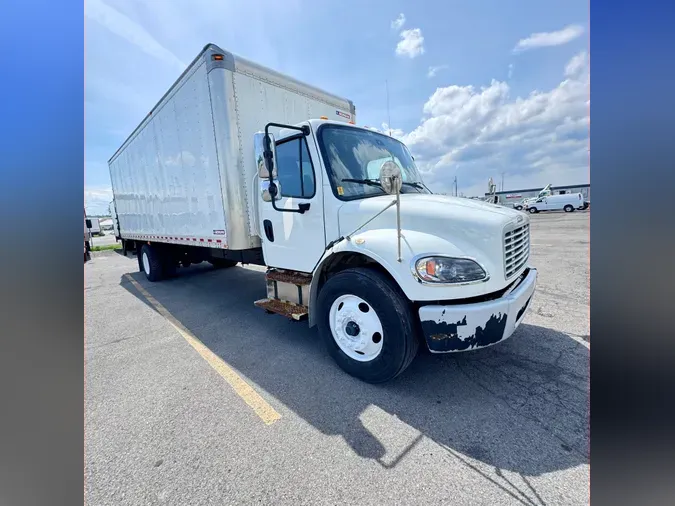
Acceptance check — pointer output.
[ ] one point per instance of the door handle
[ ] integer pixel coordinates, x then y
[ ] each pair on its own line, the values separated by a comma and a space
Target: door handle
269, 231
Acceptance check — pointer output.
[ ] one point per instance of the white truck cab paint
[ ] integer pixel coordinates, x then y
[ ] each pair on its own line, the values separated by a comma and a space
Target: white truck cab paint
271, 171
352, 218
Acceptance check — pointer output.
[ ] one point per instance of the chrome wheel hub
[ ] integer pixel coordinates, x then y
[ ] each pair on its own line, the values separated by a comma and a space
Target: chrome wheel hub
356, 328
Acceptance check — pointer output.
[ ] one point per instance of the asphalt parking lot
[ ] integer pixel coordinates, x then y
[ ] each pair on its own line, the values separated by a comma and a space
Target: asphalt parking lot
164, 425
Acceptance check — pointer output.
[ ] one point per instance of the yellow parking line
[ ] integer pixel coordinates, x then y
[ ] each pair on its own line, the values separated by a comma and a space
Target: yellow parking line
266, 412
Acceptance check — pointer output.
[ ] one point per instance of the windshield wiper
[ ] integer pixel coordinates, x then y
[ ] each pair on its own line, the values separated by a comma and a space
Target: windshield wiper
414, 185
369, 182
375, 182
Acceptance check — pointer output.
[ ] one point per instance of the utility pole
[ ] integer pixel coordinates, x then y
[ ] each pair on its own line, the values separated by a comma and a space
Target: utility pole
386, 84
502, 181
455, 184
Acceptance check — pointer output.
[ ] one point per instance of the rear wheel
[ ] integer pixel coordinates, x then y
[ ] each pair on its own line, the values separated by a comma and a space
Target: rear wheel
568, 208
151, 263
532, 210
367, 325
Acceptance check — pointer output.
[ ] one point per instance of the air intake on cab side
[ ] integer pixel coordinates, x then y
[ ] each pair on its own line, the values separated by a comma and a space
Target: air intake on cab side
516, 249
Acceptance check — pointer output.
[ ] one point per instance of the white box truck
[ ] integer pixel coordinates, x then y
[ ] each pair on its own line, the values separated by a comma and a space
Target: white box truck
238, 163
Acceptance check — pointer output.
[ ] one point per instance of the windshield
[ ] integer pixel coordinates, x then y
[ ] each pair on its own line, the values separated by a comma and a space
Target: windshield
351, 153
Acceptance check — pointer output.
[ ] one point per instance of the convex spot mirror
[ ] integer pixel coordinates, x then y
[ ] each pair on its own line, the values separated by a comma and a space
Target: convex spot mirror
390, 178
268, 190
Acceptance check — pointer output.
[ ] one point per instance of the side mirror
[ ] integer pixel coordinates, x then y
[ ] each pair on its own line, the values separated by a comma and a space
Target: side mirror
265, 155
270, 190
88, 223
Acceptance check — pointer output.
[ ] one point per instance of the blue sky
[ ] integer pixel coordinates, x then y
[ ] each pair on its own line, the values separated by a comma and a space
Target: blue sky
476, 88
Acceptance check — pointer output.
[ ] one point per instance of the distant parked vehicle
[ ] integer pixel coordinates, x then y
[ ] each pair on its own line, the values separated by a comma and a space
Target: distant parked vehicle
544, 192
115, 222
567, 202
87, 237
94, 226
519, 206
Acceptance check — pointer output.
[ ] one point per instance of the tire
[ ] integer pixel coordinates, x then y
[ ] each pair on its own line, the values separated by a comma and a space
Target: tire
568, 208
150, 260
532, 210
519, 208
399, 340
221, 263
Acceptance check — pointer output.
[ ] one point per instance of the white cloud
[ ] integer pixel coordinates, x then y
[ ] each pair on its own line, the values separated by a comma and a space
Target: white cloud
132, 32
545, 39
510, 75
394, 132
577, 64
482, 132
435, 69
398, 23
97, 199
411, 43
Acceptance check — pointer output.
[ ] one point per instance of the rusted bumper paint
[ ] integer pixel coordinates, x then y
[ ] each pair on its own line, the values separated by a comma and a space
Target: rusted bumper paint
465, 327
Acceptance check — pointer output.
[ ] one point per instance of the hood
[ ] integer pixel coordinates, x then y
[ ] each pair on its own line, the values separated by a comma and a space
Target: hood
439, 224
427, 211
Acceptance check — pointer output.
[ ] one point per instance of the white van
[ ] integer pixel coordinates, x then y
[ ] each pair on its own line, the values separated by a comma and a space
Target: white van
567, 202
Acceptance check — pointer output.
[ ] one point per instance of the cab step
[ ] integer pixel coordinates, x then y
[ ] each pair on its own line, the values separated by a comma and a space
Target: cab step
288, 286
292, 277
287, 309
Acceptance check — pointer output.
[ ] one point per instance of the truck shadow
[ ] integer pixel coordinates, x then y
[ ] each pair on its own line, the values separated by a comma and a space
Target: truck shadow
520, 406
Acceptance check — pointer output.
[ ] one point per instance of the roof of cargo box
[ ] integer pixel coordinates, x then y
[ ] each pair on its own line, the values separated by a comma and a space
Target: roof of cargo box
233, 62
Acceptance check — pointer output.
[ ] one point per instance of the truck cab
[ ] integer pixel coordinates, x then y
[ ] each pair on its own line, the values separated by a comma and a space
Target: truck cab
381, 271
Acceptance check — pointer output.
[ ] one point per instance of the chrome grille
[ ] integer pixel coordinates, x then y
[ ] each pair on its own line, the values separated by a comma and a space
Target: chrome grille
516, 249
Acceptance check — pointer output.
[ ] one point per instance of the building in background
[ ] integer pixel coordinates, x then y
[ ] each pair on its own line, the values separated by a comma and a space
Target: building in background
513, 196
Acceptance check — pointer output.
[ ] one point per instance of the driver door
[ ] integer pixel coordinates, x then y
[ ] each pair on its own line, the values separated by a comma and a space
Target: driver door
293, 240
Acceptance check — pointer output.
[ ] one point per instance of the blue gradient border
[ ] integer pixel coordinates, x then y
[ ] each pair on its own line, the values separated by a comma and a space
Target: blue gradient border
41, 300
632, 251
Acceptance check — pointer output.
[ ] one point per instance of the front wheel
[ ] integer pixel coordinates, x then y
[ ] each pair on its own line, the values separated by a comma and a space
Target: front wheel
367, 325
568, 208
532, 210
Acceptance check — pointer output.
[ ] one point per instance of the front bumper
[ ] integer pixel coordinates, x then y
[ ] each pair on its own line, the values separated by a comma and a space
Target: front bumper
462, 327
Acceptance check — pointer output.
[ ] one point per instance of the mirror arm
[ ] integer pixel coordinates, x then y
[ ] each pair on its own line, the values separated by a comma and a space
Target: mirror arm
302, 208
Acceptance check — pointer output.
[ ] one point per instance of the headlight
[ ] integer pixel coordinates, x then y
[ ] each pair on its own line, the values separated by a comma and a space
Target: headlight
449, 270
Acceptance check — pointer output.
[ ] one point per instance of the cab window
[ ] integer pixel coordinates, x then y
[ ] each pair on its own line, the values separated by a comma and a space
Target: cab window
294, 169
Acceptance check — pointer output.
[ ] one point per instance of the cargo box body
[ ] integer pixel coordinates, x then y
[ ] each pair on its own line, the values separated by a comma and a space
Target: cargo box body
186, 175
